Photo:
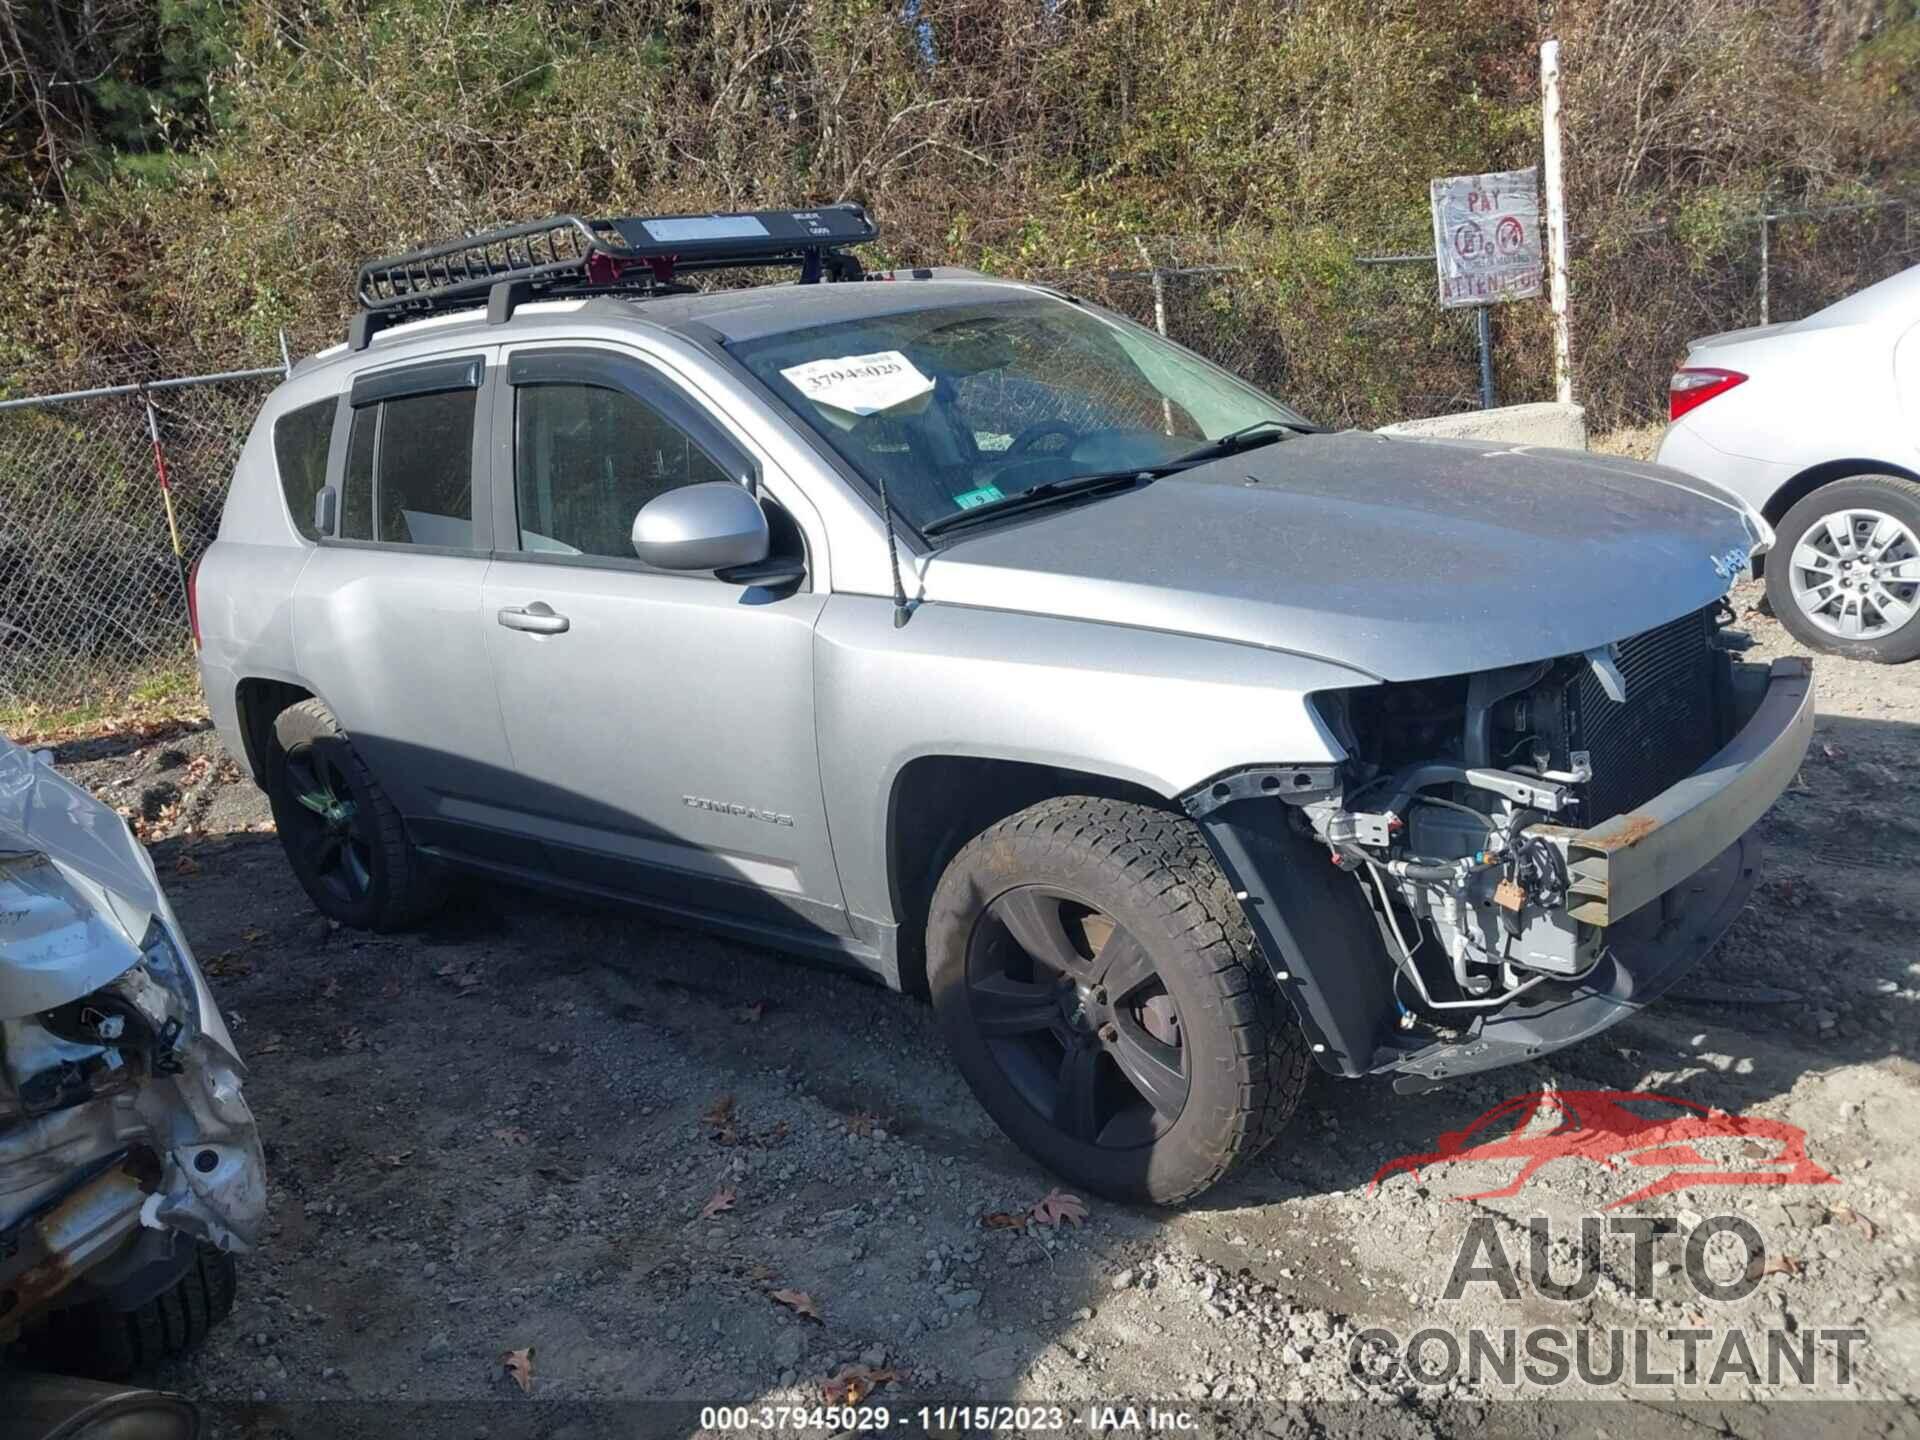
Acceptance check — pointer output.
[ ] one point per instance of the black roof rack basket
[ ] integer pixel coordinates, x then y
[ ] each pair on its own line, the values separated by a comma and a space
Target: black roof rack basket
567, 255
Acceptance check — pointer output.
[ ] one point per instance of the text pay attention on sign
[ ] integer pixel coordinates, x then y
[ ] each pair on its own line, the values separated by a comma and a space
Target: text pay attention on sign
1486, 237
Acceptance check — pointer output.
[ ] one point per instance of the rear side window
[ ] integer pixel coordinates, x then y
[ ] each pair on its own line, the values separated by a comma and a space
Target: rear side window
409, 471
300, 450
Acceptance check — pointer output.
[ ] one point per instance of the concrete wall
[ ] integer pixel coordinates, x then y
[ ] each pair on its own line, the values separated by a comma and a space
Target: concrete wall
1547, 423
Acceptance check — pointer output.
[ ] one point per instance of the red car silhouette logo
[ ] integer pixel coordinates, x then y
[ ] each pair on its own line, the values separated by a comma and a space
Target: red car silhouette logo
1694, 1144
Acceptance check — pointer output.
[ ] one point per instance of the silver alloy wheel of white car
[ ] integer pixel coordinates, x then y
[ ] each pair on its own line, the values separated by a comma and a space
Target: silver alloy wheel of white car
1856, 574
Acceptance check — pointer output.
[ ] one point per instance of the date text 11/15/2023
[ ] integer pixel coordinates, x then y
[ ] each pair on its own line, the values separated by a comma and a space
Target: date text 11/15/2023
877, 1419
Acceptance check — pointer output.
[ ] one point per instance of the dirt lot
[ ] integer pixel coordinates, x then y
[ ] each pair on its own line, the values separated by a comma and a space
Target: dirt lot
501, 1134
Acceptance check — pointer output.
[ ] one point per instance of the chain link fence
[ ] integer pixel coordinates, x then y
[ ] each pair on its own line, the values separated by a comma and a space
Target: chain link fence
91, 597
91, 600
1356, 338
1642, 291
1348, 339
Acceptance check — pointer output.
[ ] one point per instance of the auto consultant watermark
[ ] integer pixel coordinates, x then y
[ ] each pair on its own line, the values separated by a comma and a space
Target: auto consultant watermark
1657, 1145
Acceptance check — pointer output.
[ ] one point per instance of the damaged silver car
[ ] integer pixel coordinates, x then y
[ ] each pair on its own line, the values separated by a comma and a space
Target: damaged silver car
976, 637
130, 1171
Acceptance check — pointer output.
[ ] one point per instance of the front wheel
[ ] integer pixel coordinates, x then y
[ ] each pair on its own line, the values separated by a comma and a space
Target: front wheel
104, 1343
1844, 573
1097, 983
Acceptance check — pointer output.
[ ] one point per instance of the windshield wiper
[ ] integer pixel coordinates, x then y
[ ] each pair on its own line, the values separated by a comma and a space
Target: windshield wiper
1043, 494
1247, 437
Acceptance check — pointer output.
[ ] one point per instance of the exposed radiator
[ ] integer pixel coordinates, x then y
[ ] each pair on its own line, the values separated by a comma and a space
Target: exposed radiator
1666, 729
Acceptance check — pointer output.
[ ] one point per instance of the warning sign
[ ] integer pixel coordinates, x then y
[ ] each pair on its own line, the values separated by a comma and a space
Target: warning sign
1486, 237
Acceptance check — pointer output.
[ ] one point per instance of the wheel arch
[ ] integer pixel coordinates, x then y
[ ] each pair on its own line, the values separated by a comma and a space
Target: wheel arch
1825, 473
939, 802
1811, 479
258, 702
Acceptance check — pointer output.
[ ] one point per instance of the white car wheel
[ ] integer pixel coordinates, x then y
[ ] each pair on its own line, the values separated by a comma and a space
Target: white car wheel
1848, 562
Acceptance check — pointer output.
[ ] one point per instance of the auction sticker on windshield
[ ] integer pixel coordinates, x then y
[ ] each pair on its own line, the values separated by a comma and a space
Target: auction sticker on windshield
860, 385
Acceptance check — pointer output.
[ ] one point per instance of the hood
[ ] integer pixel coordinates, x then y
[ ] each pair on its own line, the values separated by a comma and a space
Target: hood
1401, 557
76, 889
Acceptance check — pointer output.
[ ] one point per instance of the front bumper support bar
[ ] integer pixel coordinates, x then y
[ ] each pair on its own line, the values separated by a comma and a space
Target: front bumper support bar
1631, 860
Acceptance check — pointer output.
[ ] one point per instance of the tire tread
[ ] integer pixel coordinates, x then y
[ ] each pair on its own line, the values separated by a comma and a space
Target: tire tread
1164, 855
107, 1344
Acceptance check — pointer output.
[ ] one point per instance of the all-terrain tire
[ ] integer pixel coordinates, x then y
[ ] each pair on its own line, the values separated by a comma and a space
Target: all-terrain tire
392, 884
107, 1344
1152, 874
1890, 495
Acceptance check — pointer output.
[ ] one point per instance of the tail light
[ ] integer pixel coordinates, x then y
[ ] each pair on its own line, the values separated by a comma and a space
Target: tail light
1695, 386
193, 602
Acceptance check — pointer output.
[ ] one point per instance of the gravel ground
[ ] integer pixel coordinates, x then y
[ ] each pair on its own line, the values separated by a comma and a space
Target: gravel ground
514, 1130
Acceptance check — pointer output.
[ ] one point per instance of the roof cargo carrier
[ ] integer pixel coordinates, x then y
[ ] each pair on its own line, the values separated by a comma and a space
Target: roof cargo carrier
567, 255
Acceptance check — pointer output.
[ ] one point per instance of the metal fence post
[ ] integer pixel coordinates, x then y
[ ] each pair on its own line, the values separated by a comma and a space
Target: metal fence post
1159, 281
1483, 327
1766, 258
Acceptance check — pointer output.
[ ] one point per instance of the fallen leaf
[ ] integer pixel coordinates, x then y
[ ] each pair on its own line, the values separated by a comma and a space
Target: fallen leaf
512, 1135
851, 1382
722, 1199
1003, 1220
750, 1014
519, 1367
186, 865
1056, 1205
267, 1046
797, 1301
864, 1122
1781, 1264
395, 1161
1847, 1215
391, 990
253, 937
718, 1117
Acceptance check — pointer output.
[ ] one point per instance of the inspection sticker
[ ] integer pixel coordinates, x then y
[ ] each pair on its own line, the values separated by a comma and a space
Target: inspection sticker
974, 499
861, 384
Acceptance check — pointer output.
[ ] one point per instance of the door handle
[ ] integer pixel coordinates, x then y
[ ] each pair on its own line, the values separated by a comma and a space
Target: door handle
539, 618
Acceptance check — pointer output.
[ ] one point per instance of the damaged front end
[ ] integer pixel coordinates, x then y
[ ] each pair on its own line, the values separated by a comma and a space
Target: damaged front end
124, 1139
1520, 857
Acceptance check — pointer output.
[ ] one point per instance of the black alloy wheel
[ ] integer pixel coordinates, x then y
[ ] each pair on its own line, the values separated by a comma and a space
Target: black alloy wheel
1077, 1017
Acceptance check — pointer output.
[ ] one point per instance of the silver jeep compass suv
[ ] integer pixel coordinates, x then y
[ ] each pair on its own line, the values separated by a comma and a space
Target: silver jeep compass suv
994, 645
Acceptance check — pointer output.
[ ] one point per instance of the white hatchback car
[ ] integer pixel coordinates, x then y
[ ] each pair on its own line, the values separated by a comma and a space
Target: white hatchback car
1816, 423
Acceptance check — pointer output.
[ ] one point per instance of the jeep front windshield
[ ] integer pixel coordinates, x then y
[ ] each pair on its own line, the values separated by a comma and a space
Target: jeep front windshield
961, 407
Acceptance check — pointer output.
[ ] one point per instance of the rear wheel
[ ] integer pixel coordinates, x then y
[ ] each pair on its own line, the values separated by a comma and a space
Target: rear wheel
1844, 574
343, 837
1094, 976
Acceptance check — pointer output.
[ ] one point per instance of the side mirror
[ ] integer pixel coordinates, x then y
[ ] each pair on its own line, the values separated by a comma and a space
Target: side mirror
713, 526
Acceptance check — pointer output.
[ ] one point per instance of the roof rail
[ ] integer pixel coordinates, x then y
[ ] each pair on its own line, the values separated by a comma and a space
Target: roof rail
567, 255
